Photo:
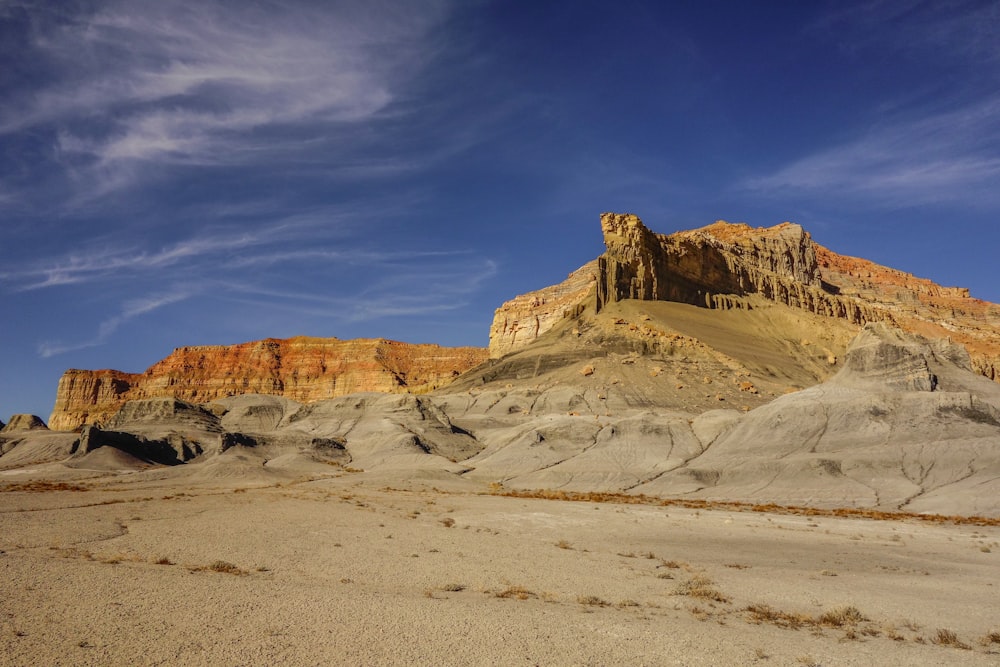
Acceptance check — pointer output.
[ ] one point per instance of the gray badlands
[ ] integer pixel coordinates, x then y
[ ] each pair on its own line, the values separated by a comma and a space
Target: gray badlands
725, 446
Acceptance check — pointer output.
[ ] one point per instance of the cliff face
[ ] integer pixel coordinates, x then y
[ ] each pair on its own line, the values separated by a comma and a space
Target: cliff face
303, 369
524, 318
713, 267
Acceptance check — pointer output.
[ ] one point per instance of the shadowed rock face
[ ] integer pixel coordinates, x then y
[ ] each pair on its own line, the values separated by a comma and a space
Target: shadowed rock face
303, 369
718, 266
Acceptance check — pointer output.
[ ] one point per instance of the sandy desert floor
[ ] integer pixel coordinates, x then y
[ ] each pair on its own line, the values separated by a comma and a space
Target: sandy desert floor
362, 569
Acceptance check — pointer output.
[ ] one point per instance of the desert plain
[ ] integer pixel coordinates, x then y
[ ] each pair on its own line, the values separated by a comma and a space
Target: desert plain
349, 568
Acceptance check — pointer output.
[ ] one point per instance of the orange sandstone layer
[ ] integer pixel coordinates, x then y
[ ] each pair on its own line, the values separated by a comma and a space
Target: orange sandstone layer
717, 265
304, 369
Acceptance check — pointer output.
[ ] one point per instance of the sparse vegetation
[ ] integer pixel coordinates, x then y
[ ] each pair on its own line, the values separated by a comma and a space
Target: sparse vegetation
945, 637
992, 637
515, 592
592, 601
700, 586
38, 486
842, 616
737, 506
448, 522
225, 567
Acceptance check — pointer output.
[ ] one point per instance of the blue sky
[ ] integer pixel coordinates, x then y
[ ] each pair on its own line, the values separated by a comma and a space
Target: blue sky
186, 173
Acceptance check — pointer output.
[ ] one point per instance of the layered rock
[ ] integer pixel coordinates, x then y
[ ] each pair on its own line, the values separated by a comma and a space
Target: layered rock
524, 318
719, 265
23, 422
303, 369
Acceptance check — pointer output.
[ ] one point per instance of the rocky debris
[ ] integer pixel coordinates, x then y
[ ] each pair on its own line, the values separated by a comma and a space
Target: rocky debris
24, 422
303, 369
721, 265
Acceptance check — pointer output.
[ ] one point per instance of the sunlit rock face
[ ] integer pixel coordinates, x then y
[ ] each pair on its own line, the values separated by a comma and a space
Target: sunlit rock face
303, 369
23, 422
716, 266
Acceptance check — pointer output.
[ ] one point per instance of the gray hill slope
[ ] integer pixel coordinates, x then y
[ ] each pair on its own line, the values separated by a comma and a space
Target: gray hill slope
903, 423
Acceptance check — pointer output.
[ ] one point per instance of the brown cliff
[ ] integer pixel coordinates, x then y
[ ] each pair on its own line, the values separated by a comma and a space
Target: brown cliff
718, 265
303, 369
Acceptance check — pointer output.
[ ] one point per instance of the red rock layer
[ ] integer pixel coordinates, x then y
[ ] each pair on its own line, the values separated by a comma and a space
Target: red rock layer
303, 369
713, 267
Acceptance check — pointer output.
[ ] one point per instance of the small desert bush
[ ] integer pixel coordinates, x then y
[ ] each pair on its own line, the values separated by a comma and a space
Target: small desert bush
765, 613
700, 586
226, 567
945, 637
38, 486
592, 601
448, 522
515, 592
992, 637
563, 544
841, 616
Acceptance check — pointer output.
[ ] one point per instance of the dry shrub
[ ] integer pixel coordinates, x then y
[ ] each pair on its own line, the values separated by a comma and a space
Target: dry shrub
38, 486
992, 637
945, 637
700, 586
448, 522
592, 601
841, 616
765, 613
226, 568
515, 592
563, 544
771, 508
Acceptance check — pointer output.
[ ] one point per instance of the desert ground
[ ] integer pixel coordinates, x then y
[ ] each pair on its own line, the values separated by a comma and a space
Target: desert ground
352, 568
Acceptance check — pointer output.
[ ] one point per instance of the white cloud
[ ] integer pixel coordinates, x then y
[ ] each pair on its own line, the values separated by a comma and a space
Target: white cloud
130, 310
945, 156
215, 83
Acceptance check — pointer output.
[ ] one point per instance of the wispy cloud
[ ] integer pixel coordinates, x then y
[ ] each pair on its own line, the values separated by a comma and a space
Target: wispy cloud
101, 263
130, 310
213, 83
956, 29
940, 142
948, 156
416, 284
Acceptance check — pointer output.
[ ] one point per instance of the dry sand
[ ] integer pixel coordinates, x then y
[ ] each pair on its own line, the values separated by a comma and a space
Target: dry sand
364, 569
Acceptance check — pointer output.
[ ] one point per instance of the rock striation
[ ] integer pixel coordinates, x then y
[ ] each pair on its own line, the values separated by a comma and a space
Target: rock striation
718, 266
303, 369
23, 422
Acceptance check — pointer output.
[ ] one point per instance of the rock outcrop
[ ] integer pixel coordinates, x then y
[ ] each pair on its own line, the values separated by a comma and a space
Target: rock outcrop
24, 423
524, 318
718, 266
303, 369
904, 425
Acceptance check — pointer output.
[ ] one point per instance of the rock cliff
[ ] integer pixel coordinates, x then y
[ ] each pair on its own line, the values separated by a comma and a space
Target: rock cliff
719, 265
303, 369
